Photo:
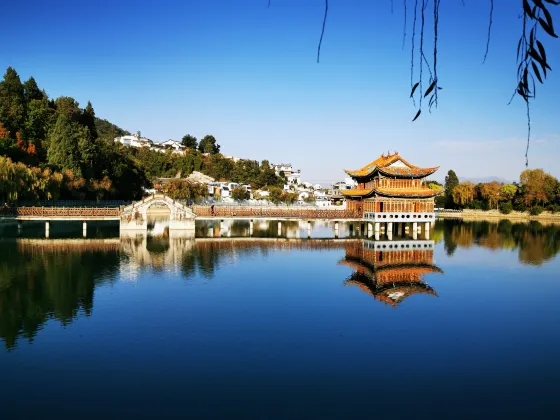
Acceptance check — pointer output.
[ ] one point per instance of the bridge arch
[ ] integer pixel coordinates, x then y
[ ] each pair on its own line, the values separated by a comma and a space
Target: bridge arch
135, 215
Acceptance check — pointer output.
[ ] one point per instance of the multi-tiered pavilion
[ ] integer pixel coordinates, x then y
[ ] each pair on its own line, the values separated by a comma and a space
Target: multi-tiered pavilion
390, 189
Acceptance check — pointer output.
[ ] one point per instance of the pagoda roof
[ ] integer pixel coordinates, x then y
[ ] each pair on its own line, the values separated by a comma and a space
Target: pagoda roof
392, 294
383, 164
412, 269
393, 192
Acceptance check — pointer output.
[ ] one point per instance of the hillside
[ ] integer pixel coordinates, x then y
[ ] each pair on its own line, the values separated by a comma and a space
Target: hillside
53, 149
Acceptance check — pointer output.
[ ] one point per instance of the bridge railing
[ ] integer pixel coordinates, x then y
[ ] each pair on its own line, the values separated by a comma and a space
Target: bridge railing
60, 211
303, 213
74, 203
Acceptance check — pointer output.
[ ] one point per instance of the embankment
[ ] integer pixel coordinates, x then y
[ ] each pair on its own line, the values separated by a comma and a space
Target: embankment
474, 215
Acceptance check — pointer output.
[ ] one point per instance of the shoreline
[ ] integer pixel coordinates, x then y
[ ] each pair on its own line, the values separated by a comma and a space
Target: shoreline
495, 215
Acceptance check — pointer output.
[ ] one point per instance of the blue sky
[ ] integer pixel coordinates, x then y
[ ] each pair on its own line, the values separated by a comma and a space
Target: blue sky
248, 75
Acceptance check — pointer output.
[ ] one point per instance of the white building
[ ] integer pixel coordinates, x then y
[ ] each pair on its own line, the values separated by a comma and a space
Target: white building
173, 144
134, 140
347, 184
293, 176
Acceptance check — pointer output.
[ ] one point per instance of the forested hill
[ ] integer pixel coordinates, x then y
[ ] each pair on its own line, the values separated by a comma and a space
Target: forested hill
53, 149
107, 130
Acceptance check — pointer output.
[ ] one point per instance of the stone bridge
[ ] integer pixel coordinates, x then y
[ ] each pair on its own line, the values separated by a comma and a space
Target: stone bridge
135, 216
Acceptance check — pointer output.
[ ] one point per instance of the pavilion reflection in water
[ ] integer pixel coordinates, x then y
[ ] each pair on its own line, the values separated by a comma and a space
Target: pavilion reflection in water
391, 271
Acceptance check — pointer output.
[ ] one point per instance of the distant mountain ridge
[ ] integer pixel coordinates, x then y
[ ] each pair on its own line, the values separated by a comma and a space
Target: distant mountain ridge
486, 179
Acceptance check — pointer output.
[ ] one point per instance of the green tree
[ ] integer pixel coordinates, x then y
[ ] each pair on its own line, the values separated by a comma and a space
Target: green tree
63, 149
451, 181
189, 141
208, 144
40, 117
508, 191
31, 91
12, 110
88, 120
68, 107
275, 194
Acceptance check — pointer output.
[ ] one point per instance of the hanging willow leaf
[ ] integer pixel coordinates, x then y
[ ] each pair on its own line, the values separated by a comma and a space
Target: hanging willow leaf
548, 17
536, 56
432, 86
417, 115
519, 47
527, 9
536, 71
541, 50
547, 28
431, 103
414, 88
553, 2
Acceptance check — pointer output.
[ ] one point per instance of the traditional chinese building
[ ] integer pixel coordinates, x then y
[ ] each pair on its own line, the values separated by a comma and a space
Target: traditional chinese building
392, 190
391, 271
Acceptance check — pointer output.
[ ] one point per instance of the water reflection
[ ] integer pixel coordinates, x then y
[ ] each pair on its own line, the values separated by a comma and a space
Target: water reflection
536, 243
44, 279
50, 279
391, 271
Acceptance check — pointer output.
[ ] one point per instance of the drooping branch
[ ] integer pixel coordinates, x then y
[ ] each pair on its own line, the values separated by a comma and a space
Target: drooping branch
531, 55
413, 48
489, 31
436, 26
323, 29
404, 27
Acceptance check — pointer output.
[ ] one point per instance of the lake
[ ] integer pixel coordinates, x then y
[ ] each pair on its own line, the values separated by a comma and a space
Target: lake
241, 323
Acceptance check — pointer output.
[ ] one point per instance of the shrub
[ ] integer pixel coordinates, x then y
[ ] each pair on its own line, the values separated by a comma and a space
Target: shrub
554, 208
240, 193
519, 207
535, 211
506, 208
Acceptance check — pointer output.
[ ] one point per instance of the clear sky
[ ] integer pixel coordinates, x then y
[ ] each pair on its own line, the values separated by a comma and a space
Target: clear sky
247, 74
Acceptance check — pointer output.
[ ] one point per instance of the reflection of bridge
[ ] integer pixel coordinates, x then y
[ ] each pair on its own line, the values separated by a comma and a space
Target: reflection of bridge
390, 271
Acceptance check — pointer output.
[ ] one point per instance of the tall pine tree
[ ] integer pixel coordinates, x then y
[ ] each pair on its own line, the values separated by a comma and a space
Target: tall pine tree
12, 109
63, 149
451, 181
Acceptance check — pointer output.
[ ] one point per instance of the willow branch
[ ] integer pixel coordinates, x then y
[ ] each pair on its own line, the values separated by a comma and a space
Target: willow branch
323, 30
489, 30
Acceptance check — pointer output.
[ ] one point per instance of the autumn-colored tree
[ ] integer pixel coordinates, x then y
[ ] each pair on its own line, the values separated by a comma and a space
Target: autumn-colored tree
3, 132
463, 193
24, 146
490, 191
534, 182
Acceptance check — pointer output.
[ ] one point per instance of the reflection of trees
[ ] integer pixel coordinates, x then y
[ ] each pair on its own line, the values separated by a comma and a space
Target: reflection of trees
536, 243
42, 282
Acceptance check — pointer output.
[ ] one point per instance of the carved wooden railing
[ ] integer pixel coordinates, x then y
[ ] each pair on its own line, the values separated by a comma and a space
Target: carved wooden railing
237, 211
60, 211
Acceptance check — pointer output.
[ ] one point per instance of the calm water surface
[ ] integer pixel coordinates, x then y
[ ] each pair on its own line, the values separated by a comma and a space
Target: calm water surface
463, 325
